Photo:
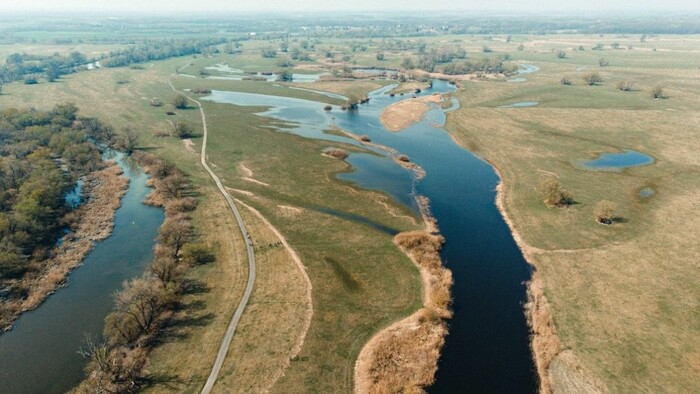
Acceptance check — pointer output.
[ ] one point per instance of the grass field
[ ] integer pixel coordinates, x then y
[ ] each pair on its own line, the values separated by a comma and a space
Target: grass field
624, 297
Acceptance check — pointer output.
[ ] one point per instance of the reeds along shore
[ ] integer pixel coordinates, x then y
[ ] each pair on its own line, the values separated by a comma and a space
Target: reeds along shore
403, 357
90, 223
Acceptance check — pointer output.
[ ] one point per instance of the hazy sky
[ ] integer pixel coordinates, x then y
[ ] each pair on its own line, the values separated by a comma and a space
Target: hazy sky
302, 6
305, 6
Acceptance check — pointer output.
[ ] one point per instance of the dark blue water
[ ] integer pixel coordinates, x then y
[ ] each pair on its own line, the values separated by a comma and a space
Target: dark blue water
487, 350
40, 354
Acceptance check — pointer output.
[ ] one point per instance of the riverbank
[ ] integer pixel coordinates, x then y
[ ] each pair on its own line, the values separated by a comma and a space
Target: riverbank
544, 341
403, 357
403, 114
90, 223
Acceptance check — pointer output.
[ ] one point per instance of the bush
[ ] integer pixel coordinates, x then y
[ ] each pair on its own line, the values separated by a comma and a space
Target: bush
380, 56
592, 78
561, 54
183, 129
603, 62
657, 92
625, 86
605, 212
180, 102
565, 81
554, 195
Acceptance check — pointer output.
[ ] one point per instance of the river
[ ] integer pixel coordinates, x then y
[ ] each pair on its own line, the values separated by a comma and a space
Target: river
487, 350
40, 354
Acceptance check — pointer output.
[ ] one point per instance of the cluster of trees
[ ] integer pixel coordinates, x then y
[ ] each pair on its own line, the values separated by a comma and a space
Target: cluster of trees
145, 304
429, 60
41, 154
161, 49
485, 65
19, 66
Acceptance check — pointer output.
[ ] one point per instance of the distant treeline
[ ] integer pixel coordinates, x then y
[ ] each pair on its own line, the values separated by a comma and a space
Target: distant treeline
20, 65
161, 49
41, 156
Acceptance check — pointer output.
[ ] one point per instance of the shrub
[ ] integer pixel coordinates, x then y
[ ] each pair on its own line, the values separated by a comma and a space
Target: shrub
183, 129
380, 56
554, 195
180, 102
605, 212
603, 62
561, 54
592, 78
565, 81
625, 86
657, 92
336, 153
156, 103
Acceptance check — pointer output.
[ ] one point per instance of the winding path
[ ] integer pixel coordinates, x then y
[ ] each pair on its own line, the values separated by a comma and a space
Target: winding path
228, 337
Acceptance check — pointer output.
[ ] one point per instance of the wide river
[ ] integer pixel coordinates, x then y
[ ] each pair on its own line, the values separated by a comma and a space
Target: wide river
487, 350
40, 355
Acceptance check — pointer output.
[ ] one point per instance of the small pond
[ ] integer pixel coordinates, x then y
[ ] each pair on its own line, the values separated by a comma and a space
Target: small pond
646, 192
617, 161
74, 197
522, 104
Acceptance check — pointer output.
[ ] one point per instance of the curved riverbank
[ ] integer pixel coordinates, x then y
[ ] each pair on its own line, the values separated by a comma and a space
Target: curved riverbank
93, 222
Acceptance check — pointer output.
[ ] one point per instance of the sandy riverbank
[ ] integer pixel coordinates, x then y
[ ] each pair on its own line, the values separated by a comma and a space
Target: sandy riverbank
92, 222
403, 114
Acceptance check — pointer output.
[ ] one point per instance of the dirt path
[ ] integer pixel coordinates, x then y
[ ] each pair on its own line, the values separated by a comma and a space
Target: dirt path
228, 337
309, 299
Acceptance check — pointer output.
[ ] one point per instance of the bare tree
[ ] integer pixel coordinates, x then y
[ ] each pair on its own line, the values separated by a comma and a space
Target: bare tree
554, 195
128, 140
141, 301
175, 233
174, 185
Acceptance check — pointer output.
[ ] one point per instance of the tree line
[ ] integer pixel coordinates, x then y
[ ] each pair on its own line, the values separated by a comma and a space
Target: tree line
146, 305
19, 66
161, 49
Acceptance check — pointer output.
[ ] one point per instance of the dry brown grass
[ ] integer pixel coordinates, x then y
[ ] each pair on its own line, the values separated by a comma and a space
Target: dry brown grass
403, 357
104, 189
403, 114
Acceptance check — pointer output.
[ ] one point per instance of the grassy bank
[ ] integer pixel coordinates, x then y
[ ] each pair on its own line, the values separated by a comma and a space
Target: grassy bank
621, 296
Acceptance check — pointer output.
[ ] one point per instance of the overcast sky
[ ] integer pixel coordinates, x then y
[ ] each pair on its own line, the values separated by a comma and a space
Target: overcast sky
304, 6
